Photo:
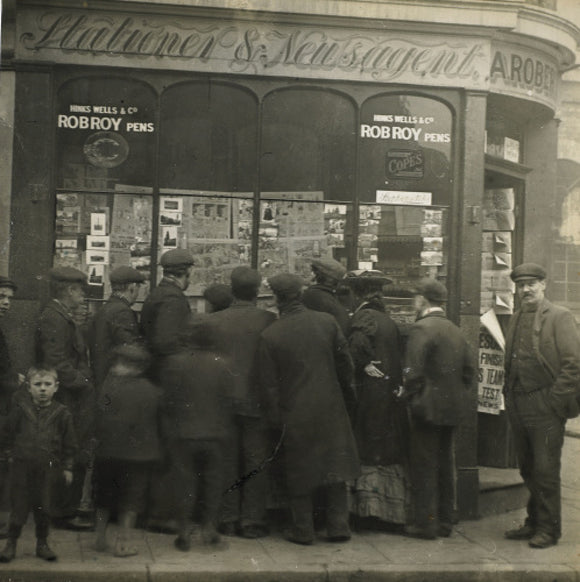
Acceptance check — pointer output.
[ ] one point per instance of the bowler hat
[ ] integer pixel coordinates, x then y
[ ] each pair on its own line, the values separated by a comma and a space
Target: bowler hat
286, 283
432, 290
528, 271
244, 276
329, 267
176, 258
125, 274
68, 274
219, 295
6, 282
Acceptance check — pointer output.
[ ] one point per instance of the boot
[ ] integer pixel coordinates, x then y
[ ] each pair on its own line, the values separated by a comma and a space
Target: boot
124, 548
9, 551
43, 551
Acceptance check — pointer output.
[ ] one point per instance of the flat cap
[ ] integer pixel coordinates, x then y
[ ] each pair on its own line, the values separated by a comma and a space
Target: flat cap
69, 274
176, 258
286, 283
219, 295
528, 271
244, 276
368, 274
330, 268
432, 290
132, 353
125, 274
6, 282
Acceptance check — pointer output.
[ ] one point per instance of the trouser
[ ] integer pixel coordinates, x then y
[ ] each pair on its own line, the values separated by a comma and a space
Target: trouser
67, 502
433, 478
199, 460
247, 447
32, 484
538, 438
301, 507
121, 484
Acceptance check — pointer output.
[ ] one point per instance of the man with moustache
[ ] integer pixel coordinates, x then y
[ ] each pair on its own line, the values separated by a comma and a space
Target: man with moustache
541, 388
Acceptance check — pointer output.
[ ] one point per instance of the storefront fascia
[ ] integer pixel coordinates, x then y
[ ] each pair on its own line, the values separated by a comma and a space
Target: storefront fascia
373, 184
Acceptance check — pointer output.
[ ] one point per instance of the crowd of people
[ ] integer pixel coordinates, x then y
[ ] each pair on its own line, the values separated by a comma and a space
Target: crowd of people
174, 417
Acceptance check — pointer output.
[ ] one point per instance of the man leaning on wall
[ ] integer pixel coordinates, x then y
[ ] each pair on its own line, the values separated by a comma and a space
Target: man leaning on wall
541, 389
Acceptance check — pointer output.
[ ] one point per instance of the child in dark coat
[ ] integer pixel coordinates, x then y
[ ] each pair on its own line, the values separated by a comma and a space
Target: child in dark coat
40, 434
196, 383
128, 444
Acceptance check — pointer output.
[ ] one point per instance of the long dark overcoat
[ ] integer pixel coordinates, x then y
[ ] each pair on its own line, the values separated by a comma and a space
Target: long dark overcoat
61, 345
114, 324
380, 427
235, 332
439, 359
165, 314
304, 359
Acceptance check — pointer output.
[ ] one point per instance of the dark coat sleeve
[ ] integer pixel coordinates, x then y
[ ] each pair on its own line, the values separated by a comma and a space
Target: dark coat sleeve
344, 370
269, 383
69, 441
363, 328
172, 314
55, 348
416, 357
8, 377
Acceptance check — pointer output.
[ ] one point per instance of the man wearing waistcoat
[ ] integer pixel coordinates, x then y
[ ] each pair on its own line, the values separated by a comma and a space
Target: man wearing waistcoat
542, 382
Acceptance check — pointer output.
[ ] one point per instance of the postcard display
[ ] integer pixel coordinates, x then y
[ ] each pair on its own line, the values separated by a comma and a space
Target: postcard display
98, 232
497, 293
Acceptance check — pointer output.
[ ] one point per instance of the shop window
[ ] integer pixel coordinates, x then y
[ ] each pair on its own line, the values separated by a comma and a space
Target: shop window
307, 180
208, 138
105, 171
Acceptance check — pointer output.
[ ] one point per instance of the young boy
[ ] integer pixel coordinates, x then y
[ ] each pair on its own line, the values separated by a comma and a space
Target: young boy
128, 444
40, 434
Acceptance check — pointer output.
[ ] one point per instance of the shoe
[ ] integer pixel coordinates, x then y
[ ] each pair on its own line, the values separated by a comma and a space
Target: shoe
182, 544
9, 551
299, 540
525, 532
44, 552
228, 528
253, 532
339, 539
542, 540
79, 523
209, 535
413, 531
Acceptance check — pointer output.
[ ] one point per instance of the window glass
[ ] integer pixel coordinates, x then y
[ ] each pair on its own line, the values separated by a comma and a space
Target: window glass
215, 226
208, 137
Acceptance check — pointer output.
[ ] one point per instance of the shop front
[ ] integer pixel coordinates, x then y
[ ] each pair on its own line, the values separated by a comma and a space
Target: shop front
275, 141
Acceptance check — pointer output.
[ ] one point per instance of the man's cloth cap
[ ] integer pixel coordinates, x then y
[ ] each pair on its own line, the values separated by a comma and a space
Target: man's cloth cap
369, 274
286, 283
528, 271
6, 282
219, 295
432, 290
330, 268
125, 274
244, 276
68, 274
176, 258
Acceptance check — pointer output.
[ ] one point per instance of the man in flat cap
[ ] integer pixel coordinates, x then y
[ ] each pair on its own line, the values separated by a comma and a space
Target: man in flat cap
304, 368
115, 323
61, 345
438, 376
235, 333
219, 296
8, 383
321, 296
164, 318
542, 381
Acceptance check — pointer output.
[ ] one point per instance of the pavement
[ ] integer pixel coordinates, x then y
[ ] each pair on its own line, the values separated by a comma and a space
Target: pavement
476, 551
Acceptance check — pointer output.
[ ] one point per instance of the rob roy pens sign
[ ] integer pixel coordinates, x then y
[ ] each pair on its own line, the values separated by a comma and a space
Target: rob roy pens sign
208, 45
